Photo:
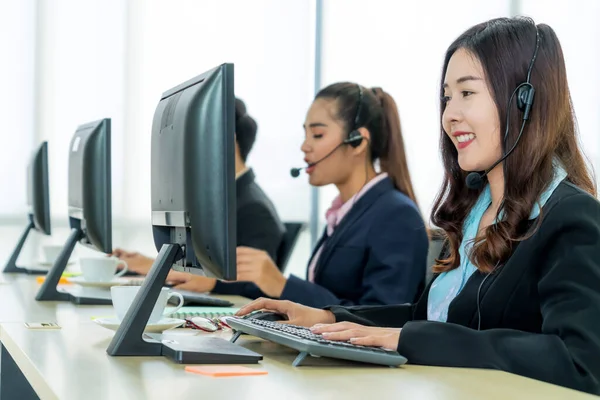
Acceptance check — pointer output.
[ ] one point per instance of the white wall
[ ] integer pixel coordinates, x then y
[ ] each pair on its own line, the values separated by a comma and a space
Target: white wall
81, 69
113, 59
271, 44
17, 48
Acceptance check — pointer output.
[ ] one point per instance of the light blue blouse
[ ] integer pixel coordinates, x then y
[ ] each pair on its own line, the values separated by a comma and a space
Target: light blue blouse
449, 284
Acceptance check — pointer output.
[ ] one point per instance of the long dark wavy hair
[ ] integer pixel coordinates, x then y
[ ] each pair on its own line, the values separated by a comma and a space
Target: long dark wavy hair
504, 47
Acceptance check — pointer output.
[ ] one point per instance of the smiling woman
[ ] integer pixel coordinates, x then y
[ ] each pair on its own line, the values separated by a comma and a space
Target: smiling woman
477, 81
517, 286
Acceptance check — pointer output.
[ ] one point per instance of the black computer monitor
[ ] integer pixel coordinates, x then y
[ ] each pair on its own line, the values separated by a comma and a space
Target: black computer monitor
90, 185
38, 202
193, 208
193, 173
89, 203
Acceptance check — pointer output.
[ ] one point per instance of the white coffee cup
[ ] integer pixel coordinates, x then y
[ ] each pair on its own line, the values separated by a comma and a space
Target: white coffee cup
51, 253
123, 296
101, 269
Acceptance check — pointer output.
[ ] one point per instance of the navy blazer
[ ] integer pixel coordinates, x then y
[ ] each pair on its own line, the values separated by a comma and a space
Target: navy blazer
376, 255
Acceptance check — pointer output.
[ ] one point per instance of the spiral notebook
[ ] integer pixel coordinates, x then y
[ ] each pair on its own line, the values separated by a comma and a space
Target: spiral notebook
206, 312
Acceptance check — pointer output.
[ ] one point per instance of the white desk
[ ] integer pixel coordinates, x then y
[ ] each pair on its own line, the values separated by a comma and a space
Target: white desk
72, 363
18, 304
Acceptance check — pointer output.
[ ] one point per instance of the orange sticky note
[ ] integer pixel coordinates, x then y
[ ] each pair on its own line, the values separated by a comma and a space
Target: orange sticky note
61, 281
224, 370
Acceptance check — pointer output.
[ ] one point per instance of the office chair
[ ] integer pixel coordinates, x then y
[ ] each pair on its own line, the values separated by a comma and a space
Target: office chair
292, 232
436, 246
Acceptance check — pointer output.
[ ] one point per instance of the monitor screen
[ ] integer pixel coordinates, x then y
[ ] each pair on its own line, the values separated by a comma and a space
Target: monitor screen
38, 189
90, 184
193, 172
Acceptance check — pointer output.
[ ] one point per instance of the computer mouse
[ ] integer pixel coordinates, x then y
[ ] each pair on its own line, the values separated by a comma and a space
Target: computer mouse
267, 316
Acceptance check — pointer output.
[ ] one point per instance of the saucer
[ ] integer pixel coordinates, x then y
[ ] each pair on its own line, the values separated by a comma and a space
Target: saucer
79, 280
49, 264
36, 268
156, 327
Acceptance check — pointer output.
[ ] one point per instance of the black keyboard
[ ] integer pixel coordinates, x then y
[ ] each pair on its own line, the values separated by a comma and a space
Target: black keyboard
308, 343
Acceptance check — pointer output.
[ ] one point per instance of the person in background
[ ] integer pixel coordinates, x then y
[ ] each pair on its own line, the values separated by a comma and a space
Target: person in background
258, 224
374, 248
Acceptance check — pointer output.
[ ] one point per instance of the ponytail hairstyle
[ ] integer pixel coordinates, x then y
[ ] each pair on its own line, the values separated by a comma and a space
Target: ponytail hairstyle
378, 113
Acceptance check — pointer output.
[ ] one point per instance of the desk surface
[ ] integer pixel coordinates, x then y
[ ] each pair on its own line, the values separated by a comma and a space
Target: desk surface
72, 363
18, 304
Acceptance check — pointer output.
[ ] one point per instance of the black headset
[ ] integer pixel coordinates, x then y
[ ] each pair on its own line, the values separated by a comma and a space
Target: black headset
525, 93
354, 137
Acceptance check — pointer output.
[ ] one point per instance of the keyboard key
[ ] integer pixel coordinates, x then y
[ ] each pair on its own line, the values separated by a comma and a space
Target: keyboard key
305, 333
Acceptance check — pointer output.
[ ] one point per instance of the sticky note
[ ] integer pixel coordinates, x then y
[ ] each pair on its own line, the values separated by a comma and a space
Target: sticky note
62, 281
224, 370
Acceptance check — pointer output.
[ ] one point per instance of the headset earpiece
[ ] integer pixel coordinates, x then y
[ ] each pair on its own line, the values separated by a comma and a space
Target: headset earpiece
525, 99
526, 92
354, 139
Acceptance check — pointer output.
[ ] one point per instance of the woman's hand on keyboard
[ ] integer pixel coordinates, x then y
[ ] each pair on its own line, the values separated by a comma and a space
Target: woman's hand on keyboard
297, 314
359, 334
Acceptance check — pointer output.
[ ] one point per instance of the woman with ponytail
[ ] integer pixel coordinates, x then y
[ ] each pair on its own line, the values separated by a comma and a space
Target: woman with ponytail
374, 248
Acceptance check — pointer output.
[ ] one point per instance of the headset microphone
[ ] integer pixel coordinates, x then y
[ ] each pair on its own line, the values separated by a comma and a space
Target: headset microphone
354, 140
295, 172
475, 179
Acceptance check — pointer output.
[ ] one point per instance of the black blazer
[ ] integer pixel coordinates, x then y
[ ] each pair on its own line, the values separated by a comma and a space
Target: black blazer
376, 255
258, 226
540, 312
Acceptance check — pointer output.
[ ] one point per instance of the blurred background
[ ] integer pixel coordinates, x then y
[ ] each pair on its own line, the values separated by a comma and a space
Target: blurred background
66, 62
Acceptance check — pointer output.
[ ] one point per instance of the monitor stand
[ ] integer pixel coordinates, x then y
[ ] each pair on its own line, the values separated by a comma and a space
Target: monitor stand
49, 290
129, 338
11, 265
